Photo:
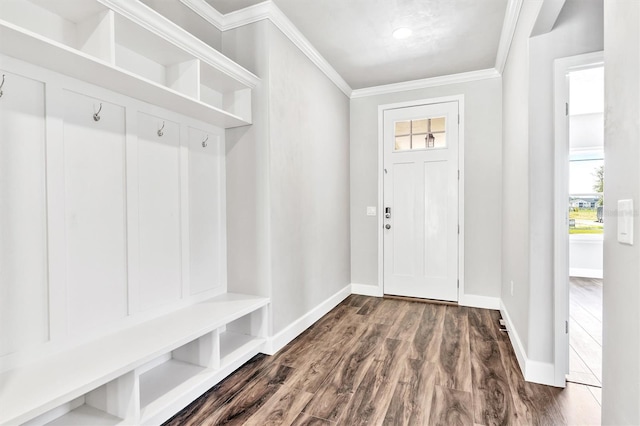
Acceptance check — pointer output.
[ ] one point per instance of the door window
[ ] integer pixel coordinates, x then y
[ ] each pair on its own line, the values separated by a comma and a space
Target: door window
425, 133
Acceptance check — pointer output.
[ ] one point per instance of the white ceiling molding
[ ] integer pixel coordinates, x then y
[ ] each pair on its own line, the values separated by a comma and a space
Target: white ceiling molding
547, 16
268, 10
147, 18
508, 31
206, 11
426, 82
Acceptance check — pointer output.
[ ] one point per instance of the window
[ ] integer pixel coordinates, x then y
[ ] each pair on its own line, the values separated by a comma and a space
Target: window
426, 133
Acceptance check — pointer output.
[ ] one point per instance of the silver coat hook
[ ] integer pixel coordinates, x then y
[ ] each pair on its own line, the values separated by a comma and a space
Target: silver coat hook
1, 84
160, 132
96, 116
204, 142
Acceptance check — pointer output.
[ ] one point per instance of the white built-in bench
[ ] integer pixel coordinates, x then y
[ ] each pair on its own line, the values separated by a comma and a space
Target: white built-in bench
140, 375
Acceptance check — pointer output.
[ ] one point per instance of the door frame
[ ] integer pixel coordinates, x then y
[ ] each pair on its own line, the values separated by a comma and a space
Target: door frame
420, 102
562, 66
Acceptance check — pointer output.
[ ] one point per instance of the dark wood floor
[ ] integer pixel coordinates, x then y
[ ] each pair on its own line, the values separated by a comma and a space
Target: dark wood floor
585, 332
374, 361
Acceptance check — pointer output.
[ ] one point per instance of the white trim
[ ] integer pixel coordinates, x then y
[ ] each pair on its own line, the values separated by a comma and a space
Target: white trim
367, 290
248, 15
508, 31
268, 10
206, 11
586, 273
475, 301
533, 371
547, 16
381, 109
282, 338
281, 21
561, 237
464, 77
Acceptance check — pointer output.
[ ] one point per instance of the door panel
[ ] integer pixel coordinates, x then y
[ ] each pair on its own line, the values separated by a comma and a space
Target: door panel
421, 189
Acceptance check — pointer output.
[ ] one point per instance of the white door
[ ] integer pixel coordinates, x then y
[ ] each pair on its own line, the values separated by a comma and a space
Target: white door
421, 201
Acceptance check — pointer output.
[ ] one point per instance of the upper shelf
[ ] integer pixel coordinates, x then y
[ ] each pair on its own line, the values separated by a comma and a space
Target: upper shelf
130, 49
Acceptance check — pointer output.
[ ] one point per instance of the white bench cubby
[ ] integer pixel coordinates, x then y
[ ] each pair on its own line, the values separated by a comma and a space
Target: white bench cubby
140, 375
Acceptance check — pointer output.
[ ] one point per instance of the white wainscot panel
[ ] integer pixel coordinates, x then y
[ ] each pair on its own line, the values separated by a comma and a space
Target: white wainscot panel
95, 227
205, 215
586, 255
23, 262
159, 211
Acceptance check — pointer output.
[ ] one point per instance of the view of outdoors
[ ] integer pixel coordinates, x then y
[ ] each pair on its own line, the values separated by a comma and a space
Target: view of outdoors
585, 199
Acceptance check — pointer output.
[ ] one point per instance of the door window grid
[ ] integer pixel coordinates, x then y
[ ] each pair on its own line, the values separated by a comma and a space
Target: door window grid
420, 134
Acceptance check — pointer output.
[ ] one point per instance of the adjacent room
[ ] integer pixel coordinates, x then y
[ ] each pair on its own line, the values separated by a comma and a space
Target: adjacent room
319, 212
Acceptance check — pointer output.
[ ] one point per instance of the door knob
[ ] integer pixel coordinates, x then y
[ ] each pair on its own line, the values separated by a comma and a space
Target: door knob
387, 226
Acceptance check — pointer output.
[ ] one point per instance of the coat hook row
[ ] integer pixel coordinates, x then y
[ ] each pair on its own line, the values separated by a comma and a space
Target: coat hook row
160, 132
204, 142
96, 116
1, 84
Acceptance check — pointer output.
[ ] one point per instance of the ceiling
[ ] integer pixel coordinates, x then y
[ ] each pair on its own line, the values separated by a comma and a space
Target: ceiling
354, 36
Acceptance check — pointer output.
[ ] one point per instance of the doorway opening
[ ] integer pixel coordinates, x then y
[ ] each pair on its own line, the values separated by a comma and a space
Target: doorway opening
586, 224
579, 224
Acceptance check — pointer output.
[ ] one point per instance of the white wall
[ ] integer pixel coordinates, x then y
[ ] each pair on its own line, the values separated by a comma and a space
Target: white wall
288, 179
585, 255
482, 171
309, 178
621, 310
528, 159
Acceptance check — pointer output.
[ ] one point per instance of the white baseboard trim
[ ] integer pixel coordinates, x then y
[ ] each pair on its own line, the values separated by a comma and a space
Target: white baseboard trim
533, 371
475, 301
367, 290
585, 273
282, 338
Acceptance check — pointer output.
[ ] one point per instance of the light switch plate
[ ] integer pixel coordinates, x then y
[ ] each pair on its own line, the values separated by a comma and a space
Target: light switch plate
625, 221
371, 211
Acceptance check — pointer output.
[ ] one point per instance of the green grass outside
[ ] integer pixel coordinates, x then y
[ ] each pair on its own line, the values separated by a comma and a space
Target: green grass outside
586, 221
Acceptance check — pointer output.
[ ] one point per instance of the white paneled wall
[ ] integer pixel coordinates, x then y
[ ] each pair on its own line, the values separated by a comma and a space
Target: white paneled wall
23, 243
95, 212
104, 223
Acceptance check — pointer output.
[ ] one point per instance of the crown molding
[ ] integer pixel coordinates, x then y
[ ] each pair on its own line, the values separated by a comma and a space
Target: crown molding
281, 21
268, 10
157, 24
508, 31
206, 11
426, 82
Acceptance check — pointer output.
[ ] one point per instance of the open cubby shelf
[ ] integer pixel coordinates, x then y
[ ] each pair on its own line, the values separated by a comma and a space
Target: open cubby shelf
171, 360
134, 51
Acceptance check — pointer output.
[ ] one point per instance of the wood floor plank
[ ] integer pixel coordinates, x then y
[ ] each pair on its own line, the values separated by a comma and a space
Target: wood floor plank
351, 369
451, 407
533, 403
578, 405
244, 404
334, 394
388, 311
220, 393
369, 403
283, 408
493, 404
307, 420
454, 364
411, 401
587, 348
428, 337
408, 322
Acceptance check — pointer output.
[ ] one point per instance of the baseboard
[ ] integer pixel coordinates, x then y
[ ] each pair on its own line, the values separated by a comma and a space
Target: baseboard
367, 290
533, 371
585, 273
282, 338
475, 301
